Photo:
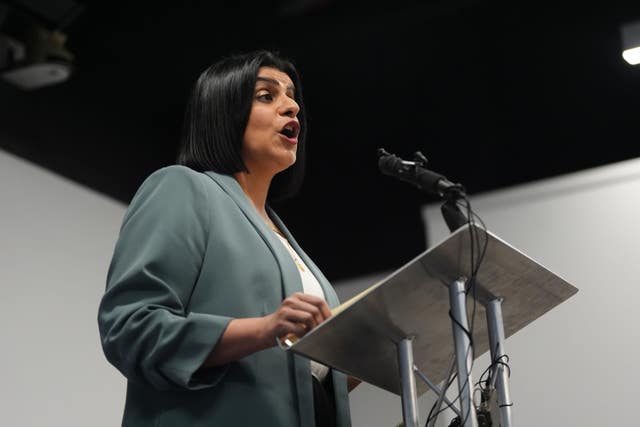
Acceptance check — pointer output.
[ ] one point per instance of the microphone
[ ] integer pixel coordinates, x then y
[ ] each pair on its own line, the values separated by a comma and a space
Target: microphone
415, 173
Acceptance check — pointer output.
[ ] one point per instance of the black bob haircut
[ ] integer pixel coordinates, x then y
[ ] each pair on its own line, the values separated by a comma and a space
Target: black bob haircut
217, 114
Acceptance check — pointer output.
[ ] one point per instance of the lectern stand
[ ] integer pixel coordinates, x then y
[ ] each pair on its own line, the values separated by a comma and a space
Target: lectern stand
402, 324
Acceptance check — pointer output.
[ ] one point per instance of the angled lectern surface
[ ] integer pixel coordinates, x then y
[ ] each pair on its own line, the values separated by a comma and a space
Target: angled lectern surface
360, 338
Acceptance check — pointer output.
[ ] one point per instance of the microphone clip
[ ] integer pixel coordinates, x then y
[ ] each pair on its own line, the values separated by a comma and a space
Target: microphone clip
420, 160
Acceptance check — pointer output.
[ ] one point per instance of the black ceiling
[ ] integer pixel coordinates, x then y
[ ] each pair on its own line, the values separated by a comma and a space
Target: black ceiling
494, 93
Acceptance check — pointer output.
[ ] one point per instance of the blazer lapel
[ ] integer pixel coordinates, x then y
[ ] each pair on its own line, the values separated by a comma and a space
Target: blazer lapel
291, 281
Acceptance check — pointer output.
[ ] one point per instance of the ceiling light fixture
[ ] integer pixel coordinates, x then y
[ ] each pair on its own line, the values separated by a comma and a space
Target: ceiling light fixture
631, 42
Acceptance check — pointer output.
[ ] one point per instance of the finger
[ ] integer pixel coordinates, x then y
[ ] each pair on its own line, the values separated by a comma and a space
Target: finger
316, 312
300, 316
299, 300
316, 301
325, 310
297, 329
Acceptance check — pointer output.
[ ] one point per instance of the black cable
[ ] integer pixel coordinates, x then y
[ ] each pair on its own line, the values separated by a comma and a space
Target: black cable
455, 199
502, 360
470, 287
455, 196
452, 378
493, 364
467, 332
477, 253
471, 282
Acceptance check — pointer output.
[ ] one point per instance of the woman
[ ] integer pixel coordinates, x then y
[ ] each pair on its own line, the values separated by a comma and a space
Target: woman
205, 278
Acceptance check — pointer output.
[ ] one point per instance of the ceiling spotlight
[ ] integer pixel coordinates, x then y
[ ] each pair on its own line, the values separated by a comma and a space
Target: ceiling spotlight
32, 46
631, 42
35, 65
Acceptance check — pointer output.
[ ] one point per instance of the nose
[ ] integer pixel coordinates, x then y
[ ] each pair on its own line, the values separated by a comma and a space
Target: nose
290, 107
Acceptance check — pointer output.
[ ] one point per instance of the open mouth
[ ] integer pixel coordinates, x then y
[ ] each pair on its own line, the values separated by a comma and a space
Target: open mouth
291, 130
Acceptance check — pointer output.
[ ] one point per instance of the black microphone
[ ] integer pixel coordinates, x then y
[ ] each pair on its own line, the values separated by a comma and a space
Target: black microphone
414, 173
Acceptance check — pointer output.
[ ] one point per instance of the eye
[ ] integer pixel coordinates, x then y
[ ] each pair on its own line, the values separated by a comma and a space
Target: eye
264, 96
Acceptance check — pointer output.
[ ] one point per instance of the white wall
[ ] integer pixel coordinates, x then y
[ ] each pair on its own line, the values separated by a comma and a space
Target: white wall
56, 239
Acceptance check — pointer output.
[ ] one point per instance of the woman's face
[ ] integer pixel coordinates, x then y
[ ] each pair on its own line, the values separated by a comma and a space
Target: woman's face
271, 136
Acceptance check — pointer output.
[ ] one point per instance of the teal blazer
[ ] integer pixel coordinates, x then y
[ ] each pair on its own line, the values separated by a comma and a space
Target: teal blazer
193, 254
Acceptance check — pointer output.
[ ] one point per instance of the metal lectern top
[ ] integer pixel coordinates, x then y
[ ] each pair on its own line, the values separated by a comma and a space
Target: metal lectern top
360, 338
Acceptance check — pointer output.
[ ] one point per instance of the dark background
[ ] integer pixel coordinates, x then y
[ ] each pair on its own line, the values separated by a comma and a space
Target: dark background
494, 93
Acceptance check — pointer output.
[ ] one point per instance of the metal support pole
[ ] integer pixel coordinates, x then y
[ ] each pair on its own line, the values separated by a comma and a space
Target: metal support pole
408, 382
499, 374
462, 341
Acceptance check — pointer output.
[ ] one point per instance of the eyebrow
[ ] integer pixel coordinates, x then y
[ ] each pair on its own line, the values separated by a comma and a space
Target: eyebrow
276, 83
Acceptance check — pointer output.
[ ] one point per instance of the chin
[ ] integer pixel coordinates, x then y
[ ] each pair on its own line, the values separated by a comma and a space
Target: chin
286, 165
291, 158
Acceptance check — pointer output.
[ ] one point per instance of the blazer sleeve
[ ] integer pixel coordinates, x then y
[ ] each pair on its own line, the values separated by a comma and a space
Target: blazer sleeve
146, 329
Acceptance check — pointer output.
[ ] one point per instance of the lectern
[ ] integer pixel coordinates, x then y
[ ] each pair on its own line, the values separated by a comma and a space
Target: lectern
415, 321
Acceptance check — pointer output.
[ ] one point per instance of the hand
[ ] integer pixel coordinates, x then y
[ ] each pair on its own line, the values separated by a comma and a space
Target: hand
297, 314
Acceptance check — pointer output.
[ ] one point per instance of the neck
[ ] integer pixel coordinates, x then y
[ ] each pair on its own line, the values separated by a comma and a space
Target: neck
256, 189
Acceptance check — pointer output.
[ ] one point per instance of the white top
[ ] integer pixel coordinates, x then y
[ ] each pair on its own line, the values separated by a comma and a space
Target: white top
311, 286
